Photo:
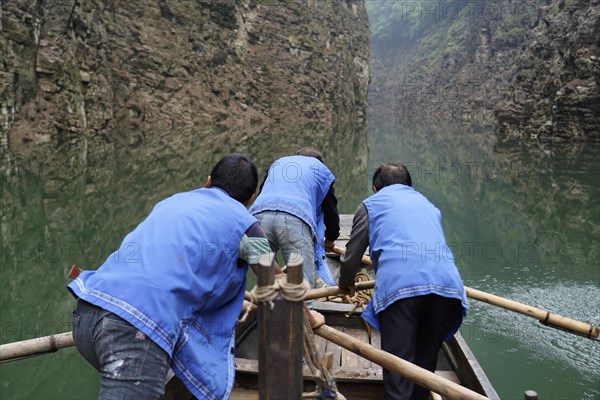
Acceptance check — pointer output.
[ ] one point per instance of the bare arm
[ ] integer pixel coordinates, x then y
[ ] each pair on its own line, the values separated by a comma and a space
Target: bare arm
253, 245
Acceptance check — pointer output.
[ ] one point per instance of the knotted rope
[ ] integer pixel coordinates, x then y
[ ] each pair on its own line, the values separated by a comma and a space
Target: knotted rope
360, 299
266, 294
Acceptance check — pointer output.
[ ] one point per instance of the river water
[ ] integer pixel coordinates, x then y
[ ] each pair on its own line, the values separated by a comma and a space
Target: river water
523, 223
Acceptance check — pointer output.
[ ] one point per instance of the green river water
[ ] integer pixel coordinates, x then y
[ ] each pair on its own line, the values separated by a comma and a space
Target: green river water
523, 222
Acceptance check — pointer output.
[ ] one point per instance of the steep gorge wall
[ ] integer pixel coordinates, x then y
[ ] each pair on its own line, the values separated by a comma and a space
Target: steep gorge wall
121, 70
444, 60
107, 107
493, 64
555, 92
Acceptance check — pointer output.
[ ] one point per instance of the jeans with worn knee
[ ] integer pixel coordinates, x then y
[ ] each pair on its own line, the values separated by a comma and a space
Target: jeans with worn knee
131, 365
293, 236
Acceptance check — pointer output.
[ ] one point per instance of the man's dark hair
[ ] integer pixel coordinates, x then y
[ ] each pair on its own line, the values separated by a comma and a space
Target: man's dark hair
390, 173
236, 174
310, 152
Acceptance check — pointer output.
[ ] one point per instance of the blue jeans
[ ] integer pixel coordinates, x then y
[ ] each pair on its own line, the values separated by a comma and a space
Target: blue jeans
291, 235
131, 365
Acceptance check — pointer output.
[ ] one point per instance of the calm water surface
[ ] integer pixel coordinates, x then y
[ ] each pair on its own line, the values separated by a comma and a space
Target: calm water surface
523, 222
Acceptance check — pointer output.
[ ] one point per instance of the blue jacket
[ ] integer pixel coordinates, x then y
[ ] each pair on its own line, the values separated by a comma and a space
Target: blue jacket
175, 278
409, 251
297, 185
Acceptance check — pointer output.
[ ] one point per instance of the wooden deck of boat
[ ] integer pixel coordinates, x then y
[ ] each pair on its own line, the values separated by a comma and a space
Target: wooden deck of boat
353, 374
364, 376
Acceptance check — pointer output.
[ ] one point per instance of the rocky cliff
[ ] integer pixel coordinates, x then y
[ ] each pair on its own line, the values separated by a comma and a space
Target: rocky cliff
107, 107
445, 60
120, 70
528, 67
555, 92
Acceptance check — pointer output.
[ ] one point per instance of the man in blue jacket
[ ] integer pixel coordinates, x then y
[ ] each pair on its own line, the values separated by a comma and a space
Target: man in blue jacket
419, 298
297, 208
171, 294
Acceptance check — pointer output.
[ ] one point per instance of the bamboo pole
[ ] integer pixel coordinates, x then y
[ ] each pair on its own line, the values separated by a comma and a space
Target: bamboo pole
28, 348
32, 347
334, 290
545, 317
420, 376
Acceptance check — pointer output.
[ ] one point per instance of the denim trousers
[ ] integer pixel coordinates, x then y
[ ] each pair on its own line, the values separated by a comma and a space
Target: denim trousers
131, 365
293, 236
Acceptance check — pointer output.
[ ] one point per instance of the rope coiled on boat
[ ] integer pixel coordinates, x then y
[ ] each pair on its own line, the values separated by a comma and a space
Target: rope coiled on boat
360, 299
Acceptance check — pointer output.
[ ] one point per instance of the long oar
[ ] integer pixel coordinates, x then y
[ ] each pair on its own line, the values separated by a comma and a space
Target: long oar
33, 347
44, 345
420, 376
49, 344
545, 317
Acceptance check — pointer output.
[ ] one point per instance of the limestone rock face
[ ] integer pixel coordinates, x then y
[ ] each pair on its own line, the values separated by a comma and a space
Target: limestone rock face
121, 69
555, 92
445, 60
529, 68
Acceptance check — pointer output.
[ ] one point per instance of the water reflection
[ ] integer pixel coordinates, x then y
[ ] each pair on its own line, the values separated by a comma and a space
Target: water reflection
524, 223
72, 204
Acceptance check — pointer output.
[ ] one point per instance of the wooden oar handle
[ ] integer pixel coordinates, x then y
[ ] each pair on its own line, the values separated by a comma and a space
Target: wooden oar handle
31, 347
334, 290
325, 291
365, 259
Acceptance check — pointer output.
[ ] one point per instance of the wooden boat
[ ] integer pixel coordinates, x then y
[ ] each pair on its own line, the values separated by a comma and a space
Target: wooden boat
356, 377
